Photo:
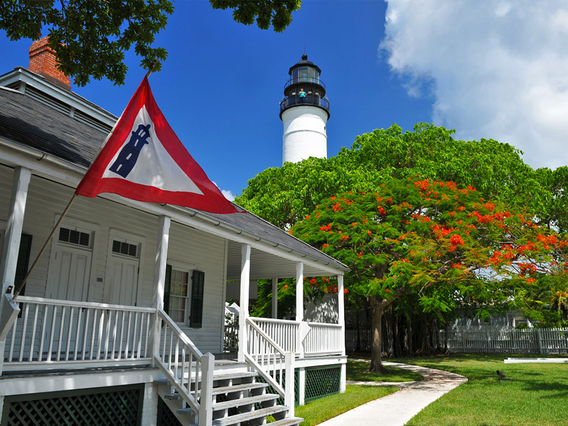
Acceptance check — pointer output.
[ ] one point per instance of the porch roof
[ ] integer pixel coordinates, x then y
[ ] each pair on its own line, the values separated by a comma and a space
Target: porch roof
31, 123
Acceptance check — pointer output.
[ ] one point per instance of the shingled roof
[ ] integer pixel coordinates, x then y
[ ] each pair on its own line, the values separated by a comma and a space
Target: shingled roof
31, 123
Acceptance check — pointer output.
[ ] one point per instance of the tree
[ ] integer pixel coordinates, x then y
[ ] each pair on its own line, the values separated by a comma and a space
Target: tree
432, 240
91, 36
286, 194
275, 12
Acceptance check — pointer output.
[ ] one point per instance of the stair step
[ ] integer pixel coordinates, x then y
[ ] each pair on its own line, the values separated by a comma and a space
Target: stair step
188, 411
237, 388
243, 417
173, 396
236, 375
244, 401
290, 421
216, 377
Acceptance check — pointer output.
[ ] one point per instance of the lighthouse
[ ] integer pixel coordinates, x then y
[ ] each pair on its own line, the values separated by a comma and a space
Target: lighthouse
304, 111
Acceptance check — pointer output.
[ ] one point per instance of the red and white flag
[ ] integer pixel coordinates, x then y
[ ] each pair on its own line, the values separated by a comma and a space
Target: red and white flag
144, 160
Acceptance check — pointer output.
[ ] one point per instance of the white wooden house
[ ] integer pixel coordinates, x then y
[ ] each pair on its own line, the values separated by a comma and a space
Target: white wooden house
120, 319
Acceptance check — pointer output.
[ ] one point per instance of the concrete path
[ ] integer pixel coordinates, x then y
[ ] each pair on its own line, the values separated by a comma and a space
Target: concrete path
398, 408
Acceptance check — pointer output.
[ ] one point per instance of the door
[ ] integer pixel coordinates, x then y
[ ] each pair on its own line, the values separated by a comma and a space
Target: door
124, 263
124, 281
68, 279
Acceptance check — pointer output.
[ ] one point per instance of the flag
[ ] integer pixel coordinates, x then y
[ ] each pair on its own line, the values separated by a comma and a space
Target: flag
143, 159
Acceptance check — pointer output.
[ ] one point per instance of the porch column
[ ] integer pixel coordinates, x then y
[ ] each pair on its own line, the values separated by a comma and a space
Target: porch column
274, 298
244, 299
14, 227
160, 279
341, 322
299, 291
11, 248
341, 309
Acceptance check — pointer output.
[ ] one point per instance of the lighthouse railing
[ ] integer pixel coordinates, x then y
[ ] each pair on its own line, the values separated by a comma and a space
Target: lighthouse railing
304, 79
313, 100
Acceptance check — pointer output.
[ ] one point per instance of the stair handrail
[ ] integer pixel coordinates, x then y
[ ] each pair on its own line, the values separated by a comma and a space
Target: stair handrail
271, 365
182, 360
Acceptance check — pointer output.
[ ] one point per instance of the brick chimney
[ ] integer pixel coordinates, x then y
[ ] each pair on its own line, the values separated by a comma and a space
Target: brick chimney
43, 62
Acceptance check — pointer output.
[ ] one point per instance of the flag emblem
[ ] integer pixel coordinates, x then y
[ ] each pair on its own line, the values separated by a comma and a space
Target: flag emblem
144, 160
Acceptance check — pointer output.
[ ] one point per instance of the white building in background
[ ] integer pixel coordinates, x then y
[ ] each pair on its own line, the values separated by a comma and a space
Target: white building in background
304, 111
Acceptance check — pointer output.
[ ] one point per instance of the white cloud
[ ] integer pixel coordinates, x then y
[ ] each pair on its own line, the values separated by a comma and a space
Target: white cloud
228, 195
495, 69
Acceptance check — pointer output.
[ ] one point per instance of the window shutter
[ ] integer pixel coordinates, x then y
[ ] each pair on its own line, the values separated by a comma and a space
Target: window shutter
197, 286
167, 286
23, 261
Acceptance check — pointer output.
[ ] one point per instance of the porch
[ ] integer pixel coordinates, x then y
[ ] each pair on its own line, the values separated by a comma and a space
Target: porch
53, 338
42, 335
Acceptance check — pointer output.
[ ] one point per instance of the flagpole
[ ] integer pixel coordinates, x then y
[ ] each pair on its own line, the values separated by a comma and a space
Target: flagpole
23, 283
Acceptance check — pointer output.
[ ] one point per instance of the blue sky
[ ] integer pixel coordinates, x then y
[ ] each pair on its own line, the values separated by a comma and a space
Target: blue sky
464, 64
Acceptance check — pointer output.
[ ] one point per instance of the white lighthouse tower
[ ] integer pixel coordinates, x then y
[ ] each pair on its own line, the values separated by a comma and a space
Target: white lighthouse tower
304, 112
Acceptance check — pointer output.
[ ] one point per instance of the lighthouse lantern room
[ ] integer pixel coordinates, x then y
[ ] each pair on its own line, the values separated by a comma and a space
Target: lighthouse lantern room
304, 111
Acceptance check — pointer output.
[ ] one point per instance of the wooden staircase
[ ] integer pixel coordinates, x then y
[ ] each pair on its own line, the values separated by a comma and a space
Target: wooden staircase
240, 397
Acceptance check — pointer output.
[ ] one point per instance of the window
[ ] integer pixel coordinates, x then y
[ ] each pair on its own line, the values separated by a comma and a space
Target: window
120, 247
75, 237
178, 295
183, 297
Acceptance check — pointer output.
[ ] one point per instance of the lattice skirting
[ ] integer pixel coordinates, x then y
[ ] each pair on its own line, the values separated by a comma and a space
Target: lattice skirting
165, 415
322, 381
116, 406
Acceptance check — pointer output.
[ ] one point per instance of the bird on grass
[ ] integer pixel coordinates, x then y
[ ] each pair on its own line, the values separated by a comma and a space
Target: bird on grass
502, 376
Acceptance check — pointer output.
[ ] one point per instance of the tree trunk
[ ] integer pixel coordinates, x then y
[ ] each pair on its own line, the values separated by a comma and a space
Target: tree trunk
424, 337
389, 345
410, 335
377, 310
358, 327
396, 331
436, 335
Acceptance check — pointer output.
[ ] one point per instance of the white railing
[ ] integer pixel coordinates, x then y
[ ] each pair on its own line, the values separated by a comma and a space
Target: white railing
60, 332
323, 339
231, 338
284, 333
186, 368
274, 364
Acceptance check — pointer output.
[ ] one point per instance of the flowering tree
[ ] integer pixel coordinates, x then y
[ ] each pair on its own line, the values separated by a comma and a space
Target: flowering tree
283, 195
432, 240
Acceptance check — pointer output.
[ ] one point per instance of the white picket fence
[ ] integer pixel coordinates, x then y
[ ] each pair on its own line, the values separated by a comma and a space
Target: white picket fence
506, 340
487, 340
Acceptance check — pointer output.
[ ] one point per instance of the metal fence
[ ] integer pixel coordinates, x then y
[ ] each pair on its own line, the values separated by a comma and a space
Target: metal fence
486, 340
506, 340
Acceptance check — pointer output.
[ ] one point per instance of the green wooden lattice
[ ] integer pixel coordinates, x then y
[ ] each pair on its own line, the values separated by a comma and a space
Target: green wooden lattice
120, 406
322, 381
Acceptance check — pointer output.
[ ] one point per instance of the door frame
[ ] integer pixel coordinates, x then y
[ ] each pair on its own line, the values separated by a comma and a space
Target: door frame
131, 238
82, 225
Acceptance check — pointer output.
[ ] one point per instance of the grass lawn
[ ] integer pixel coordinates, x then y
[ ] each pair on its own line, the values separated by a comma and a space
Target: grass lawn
326, 408
536, 395
358, 371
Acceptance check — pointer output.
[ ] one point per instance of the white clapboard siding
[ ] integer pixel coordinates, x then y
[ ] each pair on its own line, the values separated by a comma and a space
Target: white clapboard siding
47, 199
205, 253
